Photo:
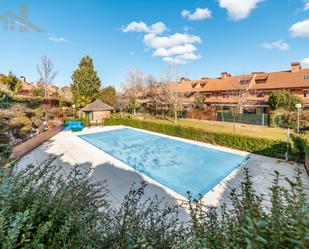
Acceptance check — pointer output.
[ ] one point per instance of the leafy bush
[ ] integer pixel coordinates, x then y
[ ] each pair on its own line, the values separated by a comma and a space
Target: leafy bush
285, 119
31, 102
65, 103
25, 126
284, 99
248, 224
261, 146
11, 81
5, 147
38, 92
43, 207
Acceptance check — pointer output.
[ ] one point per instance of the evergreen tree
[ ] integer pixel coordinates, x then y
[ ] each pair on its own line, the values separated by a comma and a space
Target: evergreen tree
86, 83
11, 82
108, 95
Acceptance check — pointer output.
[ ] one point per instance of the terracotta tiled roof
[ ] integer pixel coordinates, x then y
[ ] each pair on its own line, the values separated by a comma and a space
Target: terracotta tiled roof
286, 79
258, 81
97, 105
26, 86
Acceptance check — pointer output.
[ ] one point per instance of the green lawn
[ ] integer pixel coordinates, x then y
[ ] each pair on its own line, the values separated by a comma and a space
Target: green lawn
226, 127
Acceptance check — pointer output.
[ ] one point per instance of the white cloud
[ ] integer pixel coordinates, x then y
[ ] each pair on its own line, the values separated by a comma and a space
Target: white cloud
189, 57
300, 29
199, 14
305, 62
175, 48
182, 59
153, 41
306, 7
156, 28
58, 39
172, 60
239, 9
280, 44
187, 48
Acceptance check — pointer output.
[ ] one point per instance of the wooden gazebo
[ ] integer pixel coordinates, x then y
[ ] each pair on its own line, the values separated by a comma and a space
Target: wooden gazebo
97, 111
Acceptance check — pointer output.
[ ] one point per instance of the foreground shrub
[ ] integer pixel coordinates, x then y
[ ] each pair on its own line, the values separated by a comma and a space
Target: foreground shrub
263, 146
281, 221
45, 208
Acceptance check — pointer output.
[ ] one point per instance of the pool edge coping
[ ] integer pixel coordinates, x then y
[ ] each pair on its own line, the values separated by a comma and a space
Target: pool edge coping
174, 194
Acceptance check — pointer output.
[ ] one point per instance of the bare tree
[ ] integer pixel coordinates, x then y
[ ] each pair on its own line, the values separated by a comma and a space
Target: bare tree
150, 80
122, 103
133, 85
46, 72
170, 74
241, 93
170, 97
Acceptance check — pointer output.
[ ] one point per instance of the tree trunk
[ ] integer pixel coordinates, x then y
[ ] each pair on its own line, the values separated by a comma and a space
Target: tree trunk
121, 113
175, 116
234, 128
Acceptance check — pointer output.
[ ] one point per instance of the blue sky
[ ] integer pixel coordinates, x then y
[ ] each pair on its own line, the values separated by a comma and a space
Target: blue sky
202, 37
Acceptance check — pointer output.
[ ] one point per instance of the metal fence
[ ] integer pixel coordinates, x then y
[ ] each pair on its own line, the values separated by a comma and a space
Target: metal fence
254, 119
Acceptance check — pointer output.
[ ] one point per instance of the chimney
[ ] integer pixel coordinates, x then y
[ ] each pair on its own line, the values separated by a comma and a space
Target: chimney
295, 67
224, 75
23, 79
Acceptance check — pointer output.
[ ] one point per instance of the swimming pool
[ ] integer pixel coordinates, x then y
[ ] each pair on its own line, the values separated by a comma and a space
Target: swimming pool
178, 165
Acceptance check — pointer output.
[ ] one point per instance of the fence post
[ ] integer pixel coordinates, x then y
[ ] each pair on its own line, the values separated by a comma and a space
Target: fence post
263, 121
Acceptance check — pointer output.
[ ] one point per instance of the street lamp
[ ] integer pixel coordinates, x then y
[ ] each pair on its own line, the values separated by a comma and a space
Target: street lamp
73, 110
298, 106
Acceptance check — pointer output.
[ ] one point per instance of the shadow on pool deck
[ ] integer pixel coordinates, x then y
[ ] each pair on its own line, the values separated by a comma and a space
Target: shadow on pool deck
119, 179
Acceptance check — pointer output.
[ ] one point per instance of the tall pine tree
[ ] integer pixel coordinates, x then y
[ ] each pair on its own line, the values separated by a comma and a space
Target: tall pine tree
86, 83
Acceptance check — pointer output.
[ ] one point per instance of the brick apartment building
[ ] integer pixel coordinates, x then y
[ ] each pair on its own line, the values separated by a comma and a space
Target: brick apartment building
27, 89
253, 89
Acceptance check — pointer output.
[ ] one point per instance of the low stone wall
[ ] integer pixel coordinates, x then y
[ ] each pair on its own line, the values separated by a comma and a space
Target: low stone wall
22, 149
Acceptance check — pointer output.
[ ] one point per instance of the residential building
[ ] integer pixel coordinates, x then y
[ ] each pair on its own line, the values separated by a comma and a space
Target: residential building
26, 87
252, 90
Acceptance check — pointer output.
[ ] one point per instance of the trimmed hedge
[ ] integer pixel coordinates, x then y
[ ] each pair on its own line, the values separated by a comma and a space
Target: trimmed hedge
263, 146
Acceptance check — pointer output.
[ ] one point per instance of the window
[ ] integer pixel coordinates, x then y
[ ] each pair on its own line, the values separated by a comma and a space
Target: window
260, 95
226, 95
261, 79
207, 95
244, 81
306, 77
305, 94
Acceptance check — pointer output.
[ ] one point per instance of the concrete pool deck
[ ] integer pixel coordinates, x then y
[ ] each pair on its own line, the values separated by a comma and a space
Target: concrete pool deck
70, 150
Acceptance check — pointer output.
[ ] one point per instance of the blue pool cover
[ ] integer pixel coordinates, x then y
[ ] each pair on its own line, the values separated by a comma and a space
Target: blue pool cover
178, 165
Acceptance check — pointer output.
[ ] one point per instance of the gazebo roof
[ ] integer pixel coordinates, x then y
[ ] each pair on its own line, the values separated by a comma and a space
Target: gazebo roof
97, 105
